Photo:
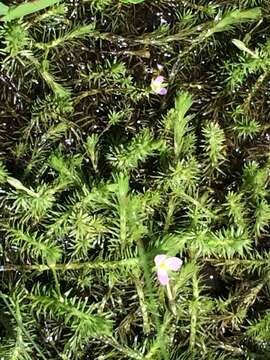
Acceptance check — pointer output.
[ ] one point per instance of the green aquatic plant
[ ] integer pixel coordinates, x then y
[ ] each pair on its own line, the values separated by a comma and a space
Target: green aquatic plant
105, 184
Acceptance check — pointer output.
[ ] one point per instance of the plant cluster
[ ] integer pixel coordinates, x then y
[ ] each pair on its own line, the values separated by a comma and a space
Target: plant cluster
100, 174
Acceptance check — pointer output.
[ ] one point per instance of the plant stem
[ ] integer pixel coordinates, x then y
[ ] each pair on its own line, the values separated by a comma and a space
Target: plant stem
171, 300
133, 262
194, 312
57, 285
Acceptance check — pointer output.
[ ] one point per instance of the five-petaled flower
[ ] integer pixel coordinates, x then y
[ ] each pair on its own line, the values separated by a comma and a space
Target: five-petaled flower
158, 86
165, 264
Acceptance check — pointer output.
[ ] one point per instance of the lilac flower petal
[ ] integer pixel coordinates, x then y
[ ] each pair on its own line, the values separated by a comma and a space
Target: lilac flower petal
163, 276
160, 259
159, 80
162, 91
174, 263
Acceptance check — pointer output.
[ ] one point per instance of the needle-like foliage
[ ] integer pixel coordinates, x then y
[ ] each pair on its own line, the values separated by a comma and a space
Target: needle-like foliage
101, 171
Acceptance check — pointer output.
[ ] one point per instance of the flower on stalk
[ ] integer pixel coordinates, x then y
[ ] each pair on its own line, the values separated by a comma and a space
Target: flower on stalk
158, 85
165, 264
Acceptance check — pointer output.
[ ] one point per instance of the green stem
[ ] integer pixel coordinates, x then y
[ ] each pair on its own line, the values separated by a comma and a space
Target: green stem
148, 39
194, 312
107, 265
153, 307
57, 285
139, 288
171, 300
169, 214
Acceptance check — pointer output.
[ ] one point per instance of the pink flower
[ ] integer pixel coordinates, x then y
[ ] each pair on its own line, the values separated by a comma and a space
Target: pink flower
158, 86
165, 264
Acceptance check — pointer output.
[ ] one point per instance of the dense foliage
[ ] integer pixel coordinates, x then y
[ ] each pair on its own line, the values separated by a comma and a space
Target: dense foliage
99, 174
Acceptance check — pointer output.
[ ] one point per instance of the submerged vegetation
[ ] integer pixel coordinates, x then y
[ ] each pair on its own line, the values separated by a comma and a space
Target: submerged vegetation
129, 130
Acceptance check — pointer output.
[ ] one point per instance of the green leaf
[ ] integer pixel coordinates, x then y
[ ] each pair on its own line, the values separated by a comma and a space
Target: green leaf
132, 1
241, 46
27, 8
233, 18
19, 186
3, 9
